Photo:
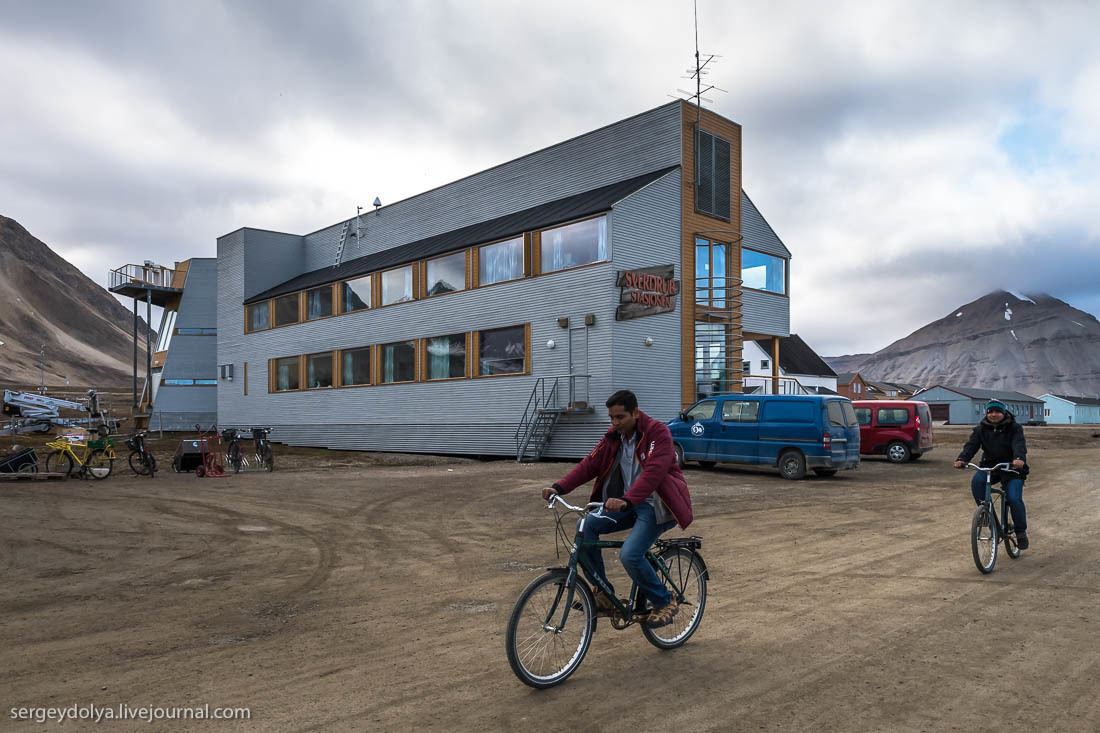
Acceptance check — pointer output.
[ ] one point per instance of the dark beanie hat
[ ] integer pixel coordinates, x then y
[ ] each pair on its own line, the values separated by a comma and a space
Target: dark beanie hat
996, 405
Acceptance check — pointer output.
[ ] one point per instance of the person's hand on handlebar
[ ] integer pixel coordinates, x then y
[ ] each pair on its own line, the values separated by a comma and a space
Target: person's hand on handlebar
1017, 464
615, 505
548, 492
960, 464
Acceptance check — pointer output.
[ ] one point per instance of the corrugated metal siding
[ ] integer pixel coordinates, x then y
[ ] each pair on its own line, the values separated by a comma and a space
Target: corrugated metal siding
766, 313
647, 233
272, 258
759, 235
199, 301
640, 144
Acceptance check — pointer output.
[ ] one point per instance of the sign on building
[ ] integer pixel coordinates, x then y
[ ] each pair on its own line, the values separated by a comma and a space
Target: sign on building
646, 292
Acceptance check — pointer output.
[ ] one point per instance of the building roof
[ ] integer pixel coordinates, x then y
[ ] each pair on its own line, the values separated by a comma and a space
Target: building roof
562, 210
1076, 400
816, 389
846, 377
796, 357
985, 394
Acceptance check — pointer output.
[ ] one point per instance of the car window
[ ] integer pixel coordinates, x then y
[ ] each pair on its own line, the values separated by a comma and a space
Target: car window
850, 414
740, 410
893, 416
789, 411
836, 415
702, 411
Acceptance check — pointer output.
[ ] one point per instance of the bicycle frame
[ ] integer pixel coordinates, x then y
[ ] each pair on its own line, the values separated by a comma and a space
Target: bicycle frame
1001, 520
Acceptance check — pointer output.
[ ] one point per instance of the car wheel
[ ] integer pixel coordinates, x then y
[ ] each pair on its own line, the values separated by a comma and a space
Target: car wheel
897, 452
679, 455
792, 465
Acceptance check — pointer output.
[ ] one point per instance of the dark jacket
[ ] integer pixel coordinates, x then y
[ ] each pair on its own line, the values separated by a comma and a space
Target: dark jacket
657, 458
1000, 443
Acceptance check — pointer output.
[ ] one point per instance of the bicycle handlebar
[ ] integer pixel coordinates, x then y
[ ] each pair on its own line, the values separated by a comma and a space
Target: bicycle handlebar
590, 506
991, 469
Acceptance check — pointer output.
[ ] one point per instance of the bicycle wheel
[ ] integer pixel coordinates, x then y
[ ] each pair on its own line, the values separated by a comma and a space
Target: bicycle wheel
59, 462
689, 588
233, 458
137, 463
1011, 547
983, 539
99, 465
541, 651
268, 458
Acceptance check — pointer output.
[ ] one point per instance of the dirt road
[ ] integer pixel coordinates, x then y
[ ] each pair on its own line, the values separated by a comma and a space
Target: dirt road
375, 597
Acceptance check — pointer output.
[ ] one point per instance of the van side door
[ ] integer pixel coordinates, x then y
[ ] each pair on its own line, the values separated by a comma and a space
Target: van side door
738, 431
701, 430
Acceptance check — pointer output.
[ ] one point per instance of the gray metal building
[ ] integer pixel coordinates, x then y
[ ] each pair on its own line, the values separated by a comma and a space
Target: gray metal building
966, 405
410, 329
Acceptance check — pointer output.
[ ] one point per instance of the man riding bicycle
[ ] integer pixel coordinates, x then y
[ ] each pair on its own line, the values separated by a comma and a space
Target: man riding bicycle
642, 489
1001, 439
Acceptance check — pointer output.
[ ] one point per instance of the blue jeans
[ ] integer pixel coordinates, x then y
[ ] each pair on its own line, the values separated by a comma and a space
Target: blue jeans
1013, 487
644, 533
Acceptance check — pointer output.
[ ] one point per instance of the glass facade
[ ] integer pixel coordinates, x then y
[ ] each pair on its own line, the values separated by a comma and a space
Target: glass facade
763, 272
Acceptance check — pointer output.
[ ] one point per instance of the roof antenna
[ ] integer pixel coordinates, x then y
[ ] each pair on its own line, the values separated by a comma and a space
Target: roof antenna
697, 74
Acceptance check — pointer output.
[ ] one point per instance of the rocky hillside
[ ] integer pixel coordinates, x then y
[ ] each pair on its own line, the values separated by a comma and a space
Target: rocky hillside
88, 334
1026, 343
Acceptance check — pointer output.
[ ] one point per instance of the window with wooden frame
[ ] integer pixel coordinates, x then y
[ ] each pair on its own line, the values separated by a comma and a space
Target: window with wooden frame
398, 285
572, 245
355, 367
319, 303
501, 261
502, 351
445, 357
445, 274
285, 374
286, 309
761, 271
397, 362
355, 295
319, 370
257, 317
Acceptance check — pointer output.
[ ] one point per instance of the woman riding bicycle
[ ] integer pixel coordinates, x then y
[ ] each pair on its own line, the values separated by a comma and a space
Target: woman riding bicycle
643, 490
1001, 439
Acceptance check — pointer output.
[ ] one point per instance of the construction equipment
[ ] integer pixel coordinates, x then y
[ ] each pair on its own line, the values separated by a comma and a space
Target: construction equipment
31, 412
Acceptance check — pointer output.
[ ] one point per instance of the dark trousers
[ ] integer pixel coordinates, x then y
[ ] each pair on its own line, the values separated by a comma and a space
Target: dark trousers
1013, 487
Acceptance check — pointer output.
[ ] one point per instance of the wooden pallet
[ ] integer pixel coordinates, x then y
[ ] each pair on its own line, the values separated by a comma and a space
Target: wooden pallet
40, 476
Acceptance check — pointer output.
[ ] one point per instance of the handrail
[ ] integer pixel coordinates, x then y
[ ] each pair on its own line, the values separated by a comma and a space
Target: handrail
156, 275
796, 387
541, 400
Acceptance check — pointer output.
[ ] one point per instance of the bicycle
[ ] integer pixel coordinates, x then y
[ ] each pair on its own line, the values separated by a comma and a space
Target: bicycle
233, 457
96, 458
262, 449
141, 460
987, 530
551, 626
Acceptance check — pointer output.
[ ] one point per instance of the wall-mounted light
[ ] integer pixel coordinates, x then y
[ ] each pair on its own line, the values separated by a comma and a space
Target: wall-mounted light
563, 323
550, 344
590, 319
648, 341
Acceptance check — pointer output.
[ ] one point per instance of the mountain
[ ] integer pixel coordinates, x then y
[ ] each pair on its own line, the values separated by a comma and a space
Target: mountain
88, 334
1003, 340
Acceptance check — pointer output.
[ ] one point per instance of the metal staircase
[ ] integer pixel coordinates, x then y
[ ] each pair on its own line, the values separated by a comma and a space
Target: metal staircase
544, 410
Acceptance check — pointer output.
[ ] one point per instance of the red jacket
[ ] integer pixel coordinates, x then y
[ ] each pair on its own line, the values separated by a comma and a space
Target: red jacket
657, 458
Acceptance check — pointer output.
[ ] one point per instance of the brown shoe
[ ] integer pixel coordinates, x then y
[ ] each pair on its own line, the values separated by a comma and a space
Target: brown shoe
604, 606
662, 616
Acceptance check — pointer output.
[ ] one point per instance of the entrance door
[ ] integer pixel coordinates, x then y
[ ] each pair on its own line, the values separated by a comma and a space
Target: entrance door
578, 367
941, 412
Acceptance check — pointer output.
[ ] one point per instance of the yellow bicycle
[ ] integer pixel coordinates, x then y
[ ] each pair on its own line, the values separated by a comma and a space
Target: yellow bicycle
96, 457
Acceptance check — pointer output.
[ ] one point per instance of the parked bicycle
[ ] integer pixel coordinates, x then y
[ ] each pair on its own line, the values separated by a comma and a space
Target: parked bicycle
141, 460
233, 458
553, 621
987, 530
95, 459
262, 455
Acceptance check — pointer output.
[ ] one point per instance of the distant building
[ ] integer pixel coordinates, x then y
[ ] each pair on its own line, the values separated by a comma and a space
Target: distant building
799, 366
852, 386
1069, 410
889, 391
966, 405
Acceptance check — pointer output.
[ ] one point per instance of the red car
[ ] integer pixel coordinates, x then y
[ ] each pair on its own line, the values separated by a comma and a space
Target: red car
899, 429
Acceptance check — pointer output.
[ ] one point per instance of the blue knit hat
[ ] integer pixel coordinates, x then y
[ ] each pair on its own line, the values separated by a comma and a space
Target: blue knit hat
996, 405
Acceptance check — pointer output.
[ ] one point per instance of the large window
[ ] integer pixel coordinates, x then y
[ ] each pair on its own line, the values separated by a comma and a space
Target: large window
286, 374
355, 367
501, 261
713, 370
710, 273
319, 302
893, 416
702, 411
355, 295
257, 316
398, 362
319, 370
446, 274
286, 310
502, 351
397, 285
574, 244
763, 272
740, 410
446, 356
712, 179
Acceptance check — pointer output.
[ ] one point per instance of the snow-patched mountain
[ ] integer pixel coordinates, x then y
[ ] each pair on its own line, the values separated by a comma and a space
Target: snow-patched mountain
1003, 340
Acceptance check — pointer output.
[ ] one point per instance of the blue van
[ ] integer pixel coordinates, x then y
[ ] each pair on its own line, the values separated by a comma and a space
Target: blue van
791, 432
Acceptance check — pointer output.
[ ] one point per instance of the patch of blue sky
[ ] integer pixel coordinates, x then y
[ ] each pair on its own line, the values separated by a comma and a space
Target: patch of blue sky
1035, 142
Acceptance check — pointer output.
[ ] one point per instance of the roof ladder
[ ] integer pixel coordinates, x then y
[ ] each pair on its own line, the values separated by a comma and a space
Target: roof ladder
343, 240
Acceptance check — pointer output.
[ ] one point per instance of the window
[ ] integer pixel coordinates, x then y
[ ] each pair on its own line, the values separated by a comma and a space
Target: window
197, 332
286, 374
206, 381
225, 371
849, 413
499, 262
502, 351
397, 285
712, 176
836, 415
179, 382
573, 245
355, 367
863, 415
740, 410
712, 366
446, 274
319, 303
702, 411
398, 362
319, 370
763, 272
710, 273
446, 356
257, 316
857, 387
355, 295
746, 367
286, 310
764, 364
893, 416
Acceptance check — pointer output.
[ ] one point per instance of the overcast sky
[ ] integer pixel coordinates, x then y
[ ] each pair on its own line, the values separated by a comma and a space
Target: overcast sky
912, 155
